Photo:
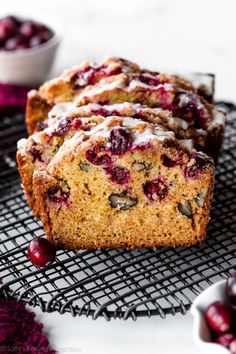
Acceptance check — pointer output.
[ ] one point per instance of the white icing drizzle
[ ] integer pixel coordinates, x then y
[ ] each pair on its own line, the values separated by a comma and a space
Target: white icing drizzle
184, 100
60, 108
219, 117
186, 142
136, 83
177, 122
150, 131
101, 87
201, 132
200, 80
21, 144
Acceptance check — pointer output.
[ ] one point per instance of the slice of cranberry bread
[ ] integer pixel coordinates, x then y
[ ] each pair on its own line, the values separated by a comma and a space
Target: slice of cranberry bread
154, 91
36, 152
190, 135
67, 86
159, 91
72, 82
208, 138
125, 183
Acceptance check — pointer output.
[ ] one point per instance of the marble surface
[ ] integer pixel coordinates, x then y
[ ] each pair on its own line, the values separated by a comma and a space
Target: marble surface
197, 35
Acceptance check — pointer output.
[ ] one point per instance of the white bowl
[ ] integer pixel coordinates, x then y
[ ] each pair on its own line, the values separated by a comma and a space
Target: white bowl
31, 66
201, 332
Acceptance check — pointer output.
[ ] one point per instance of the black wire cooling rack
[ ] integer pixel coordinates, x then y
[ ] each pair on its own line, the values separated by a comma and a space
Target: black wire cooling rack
113, 283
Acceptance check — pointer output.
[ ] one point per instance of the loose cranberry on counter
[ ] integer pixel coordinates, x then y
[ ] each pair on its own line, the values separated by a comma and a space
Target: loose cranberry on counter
231, 288
41, 252
219, 317
225, 339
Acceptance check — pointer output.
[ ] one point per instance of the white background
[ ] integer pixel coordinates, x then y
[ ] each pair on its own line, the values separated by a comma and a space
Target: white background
184, 35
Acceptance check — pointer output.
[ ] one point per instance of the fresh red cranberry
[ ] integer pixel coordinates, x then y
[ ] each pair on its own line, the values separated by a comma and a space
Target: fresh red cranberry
94, 156
119, 175
41, 252
36, 40
232, 346
42, 28
168, 162
57, 195
12, 21
17, 34
46, 34
37, 155
218, 316
156, 189
14, 42
231, 288
197, 164
5, 32
225, 339
120, 141
28, 29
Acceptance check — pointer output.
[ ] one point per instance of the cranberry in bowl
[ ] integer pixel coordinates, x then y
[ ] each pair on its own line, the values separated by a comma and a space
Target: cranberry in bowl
28, 47
214, 320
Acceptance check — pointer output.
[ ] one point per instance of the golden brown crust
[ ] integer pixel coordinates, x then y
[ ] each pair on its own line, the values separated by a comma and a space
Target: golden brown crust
26, 169
37, 109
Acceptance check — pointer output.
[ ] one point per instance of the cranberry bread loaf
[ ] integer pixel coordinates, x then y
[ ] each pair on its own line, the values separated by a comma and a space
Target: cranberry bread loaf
125, 183
36, 152
71, 83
